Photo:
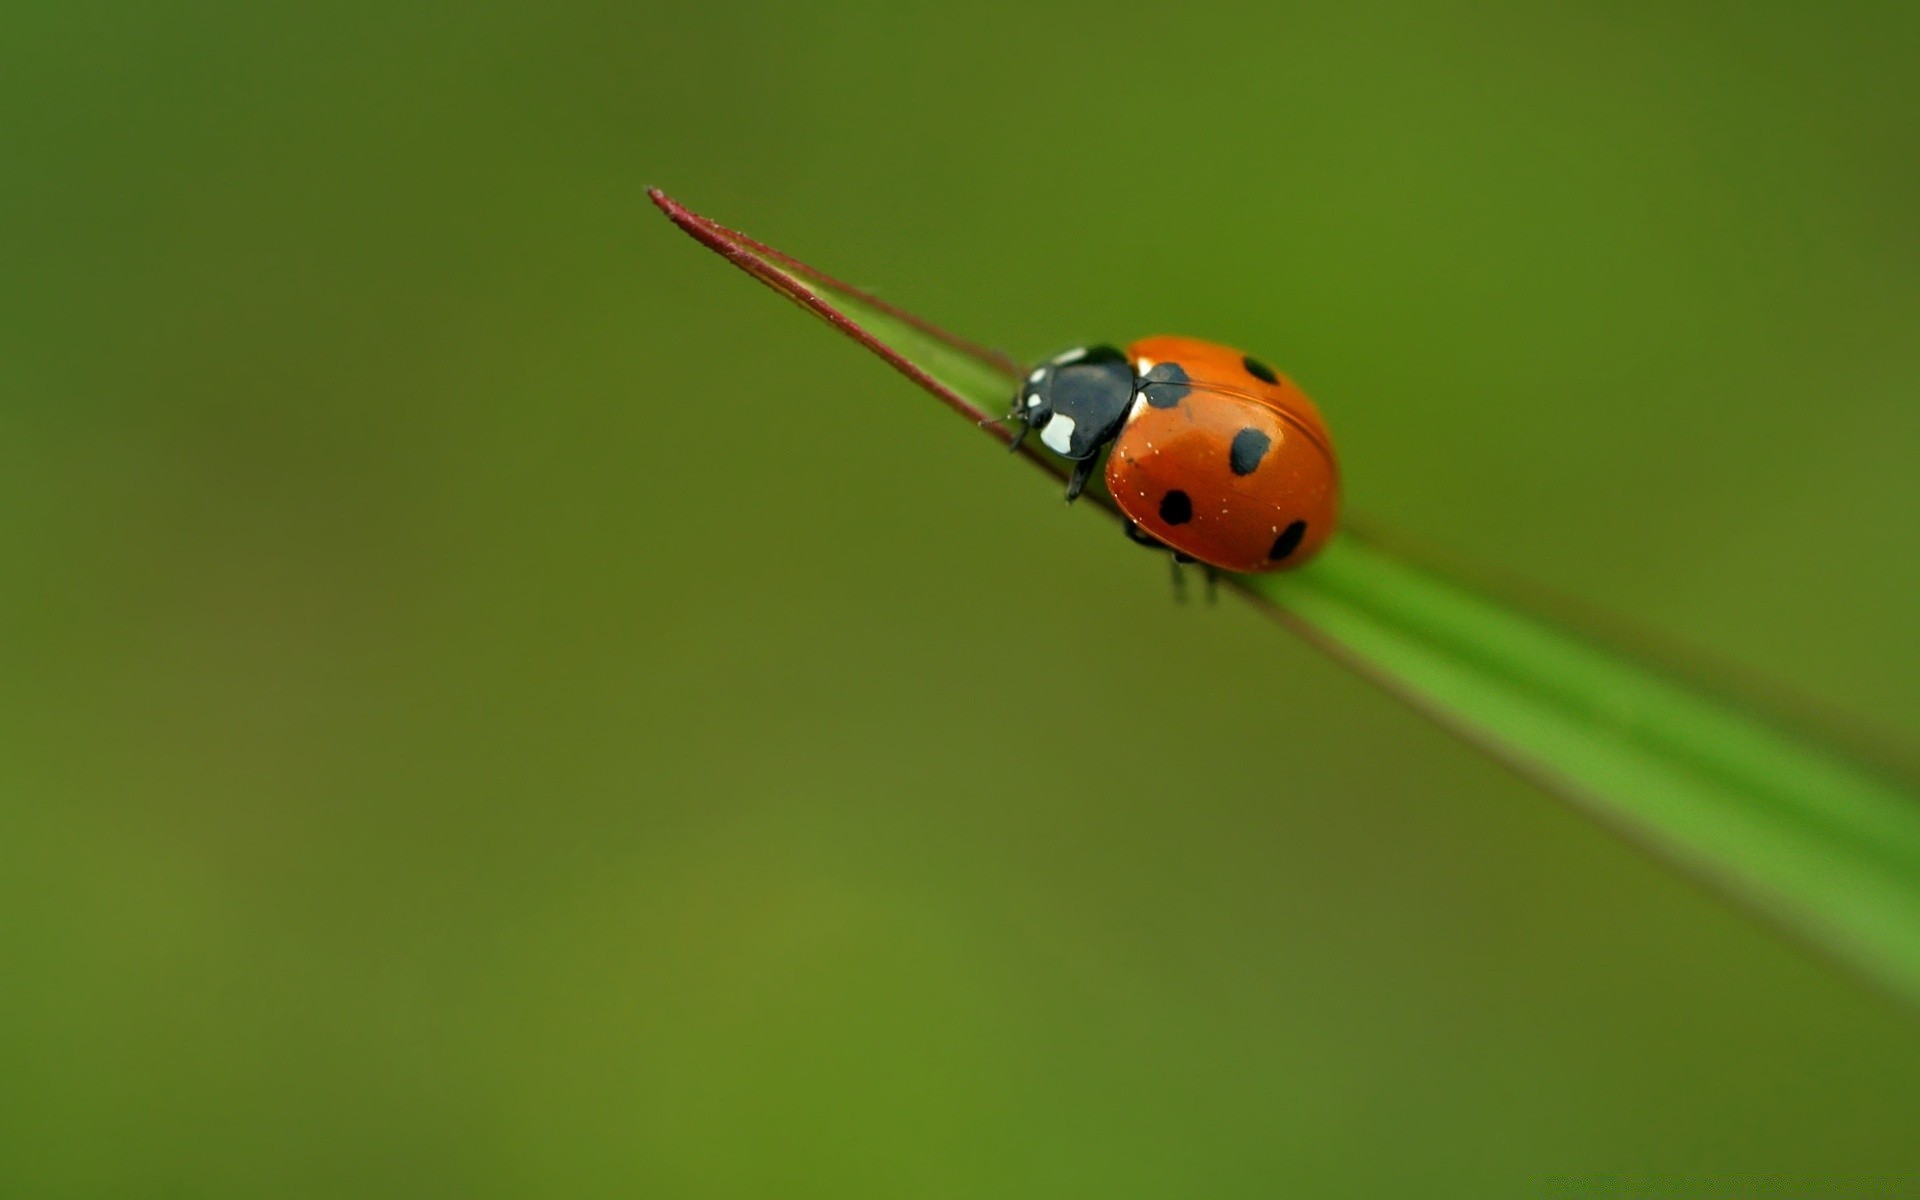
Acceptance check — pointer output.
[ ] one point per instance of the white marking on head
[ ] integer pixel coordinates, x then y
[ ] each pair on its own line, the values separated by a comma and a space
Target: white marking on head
1143, 366
1036, 375
1072, 356
1033, 401
1139, 406
1058, 435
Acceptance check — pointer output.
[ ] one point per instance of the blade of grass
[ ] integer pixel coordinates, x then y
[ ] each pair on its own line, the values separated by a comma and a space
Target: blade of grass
1817, 844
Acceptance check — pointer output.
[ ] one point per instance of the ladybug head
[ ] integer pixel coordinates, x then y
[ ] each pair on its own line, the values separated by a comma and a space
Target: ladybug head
1076, 401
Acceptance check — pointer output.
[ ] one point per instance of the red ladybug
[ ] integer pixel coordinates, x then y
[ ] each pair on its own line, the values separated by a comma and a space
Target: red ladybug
1216, 456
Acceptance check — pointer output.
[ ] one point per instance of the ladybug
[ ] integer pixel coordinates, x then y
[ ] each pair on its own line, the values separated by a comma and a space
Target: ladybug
1216, 456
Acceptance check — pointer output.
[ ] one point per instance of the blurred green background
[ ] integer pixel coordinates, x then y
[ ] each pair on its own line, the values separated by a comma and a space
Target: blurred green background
497, 704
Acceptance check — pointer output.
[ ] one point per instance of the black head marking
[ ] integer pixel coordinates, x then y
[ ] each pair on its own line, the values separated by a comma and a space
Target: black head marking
1259, 370
1176, 508
1249, 447
1288, 541
1165, 385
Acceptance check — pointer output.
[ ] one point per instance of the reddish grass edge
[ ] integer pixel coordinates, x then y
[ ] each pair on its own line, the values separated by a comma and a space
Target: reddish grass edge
754, 257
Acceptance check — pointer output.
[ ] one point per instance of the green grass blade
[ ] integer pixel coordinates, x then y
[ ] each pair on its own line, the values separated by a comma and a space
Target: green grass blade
1822, 846
1814, 841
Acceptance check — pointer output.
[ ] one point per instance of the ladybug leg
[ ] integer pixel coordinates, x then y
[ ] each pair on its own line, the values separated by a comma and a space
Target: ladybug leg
1028, 416
1175, 561
1141, 537
1082, 471
1213, 583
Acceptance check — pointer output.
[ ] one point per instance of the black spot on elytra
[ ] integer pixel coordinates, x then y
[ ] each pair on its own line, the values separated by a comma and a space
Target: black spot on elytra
1259, 370
1165, 385
1288, 541
1249, 447
1176, 508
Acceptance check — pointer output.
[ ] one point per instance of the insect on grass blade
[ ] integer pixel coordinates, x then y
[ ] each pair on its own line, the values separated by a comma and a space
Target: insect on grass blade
1802, 834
